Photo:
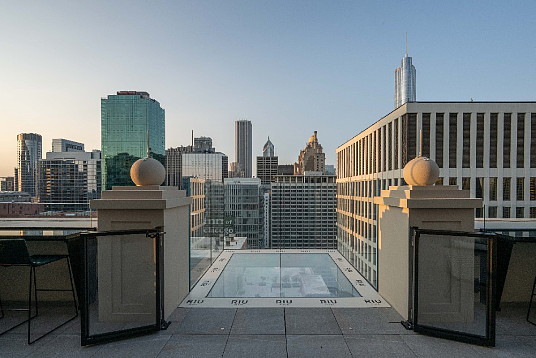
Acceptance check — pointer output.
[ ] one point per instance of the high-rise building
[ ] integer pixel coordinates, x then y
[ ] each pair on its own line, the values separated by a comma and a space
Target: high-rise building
69, 180
267, 164
210, 166
65, 145
242, 202
311, 158
29, 152
7, 183
129, 121
203, 145
303, 211
405, 81
285, 169
215, 221
174, 165
484, 147
243, 148
195, 188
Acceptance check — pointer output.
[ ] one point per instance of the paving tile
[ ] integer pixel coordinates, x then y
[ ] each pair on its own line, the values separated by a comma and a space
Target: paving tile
321, 346
206, 321
425, 346
259, 321
145, 346
247, 346
367, 321
65, 345
304, 321
193, 346
378, 346
509, 346
15, 345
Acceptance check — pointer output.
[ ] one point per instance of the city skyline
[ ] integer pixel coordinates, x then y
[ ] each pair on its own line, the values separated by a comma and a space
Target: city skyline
289, 68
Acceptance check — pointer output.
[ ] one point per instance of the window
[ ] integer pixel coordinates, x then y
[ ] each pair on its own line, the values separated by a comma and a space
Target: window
439, 139
453, 138
452, 181
466, 160
492, 212
492, 189
506, 212
506, 188
533, 212
412, 136
480, 140
507, 132
520, 212
532, 188
519, 189
533, 140
520, 140
466, 183
426, 135
479, 187
493, 140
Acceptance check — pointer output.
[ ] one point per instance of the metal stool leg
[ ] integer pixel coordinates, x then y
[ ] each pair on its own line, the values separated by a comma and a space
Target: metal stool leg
530, 303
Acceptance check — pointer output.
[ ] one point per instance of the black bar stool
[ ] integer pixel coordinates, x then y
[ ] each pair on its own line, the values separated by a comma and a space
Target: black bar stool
531, 299
14, 252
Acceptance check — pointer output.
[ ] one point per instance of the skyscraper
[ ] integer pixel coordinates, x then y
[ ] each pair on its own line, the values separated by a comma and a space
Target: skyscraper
129, 120
405, 81
243, 147
64, 145
311, 158
29, 151
242, 202
267, 164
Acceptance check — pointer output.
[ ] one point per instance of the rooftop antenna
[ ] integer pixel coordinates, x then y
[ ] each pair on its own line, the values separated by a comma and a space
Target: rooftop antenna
420, 143
406, 44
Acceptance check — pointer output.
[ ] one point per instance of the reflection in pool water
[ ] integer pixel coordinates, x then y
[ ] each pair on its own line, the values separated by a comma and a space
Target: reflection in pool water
282, 275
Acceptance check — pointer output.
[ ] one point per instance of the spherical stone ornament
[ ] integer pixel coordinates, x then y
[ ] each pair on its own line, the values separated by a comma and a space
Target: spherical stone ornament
421, 171
147, 171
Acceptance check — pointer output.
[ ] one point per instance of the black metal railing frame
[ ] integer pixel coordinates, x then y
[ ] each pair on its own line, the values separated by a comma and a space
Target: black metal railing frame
160, 323
491, 242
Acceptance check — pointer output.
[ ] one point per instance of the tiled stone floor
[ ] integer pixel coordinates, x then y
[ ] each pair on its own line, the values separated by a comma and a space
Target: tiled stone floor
279, 332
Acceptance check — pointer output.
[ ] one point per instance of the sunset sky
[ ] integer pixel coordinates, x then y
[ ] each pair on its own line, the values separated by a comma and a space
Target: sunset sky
291, 67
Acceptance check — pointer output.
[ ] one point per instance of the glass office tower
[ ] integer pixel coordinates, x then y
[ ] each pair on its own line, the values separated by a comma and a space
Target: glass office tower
29, 152
129, 120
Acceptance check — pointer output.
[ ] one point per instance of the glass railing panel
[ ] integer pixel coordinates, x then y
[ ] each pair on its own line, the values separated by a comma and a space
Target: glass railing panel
454, 292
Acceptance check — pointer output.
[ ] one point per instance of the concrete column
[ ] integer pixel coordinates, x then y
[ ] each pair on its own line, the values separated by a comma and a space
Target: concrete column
120, 266
425, 207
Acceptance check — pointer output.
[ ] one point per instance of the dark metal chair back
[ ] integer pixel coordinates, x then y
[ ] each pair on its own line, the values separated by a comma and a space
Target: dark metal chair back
14, 252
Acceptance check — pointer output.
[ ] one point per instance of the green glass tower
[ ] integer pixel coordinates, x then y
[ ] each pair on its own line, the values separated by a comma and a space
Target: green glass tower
129, 120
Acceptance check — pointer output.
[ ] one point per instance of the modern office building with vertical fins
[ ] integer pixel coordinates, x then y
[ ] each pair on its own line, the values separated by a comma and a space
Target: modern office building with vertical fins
405, 80
29, 152
243, 148
130, 120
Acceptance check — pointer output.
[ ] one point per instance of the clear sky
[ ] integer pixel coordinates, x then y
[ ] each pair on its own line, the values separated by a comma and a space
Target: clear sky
291, 67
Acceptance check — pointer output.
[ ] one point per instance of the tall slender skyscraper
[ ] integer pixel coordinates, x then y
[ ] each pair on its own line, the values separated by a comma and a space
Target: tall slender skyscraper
29, 151
243, 147
129, 120
405, 80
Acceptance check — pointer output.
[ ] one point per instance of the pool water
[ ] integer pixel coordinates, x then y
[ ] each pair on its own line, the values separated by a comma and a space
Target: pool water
290, 275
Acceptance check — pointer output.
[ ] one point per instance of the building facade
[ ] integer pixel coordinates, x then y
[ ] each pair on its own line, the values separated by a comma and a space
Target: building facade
195, 188
242, 202
405, 81
69, 180
243, 148
210, 166
484, 147
303, 211
64, 145
29, 152
267, 164
129, 121
311, 158
174, 165
7, 183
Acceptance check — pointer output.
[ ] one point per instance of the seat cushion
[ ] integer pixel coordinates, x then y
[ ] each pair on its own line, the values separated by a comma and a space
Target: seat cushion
40, 260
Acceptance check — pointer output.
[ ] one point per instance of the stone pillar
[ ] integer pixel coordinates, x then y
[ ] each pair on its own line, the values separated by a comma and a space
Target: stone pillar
425, 206
125, 265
